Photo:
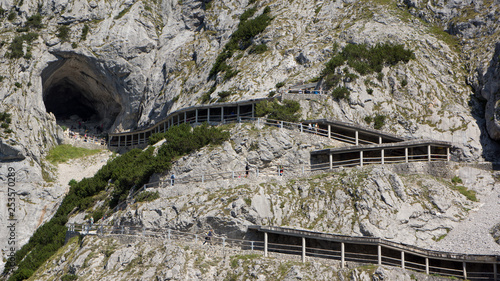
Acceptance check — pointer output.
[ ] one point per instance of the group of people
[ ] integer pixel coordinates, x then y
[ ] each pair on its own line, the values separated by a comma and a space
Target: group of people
313, 128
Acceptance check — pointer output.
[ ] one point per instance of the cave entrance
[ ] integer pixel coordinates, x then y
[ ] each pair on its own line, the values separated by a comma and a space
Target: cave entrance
68, 102
82, 94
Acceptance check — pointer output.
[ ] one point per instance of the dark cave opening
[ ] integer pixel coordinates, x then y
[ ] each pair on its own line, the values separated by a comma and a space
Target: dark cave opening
82, 93
65, 101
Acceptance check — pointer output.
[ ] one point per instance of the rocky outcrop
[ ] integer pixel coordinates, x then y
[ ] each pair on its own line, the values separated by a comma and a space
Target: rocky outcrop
414, 203
117, 258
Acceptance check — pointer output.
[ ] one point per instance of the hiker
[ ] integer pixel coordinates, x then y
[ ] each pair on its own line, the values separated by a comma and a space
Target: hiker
91, 221
309, 127
209, 236
281, 170
247, 169
172, 180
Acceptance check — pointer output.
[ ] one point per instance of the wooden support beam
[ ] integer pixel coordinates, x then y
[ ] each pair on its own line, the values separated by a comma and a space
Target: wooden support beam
342, 255
303, 249
265, 244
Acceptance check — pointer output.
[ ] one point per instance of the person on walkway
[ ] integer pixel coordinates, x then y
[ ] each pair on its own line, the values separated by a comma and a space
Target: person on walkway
172, 180
209, 236
247, 169
281, 170
309, 127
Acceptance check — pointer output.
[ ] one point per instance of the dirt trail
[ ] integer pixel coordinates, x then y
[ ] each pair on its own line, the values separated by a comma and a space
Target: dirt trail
81, 167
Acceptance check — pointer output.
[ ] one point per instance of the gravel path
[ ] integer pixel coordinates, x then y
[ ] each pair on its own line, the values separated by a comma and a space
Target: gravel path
472, 235
82, 167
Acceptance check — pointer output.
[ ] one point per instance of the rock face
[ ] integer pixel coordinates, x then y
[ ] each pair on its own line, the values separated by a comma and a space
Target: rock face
127, 64
415, 203
121, 258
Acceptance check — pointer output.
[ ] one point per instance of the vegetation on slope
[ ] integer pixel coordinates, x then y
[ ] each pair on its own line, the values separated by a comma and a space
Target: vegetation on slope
288, 111
364, 60
64, 152
132, 169
241, 39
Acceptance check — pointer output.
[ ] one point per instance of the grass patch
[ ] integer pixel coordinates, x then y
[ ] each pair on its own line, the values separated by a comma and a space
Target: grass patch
470, 194
65, 152
147, 196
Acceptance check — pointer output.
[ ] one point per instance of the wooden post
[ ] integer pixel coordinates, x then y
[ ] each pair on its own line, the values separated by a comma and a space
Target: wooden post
379, 254
208, 115
342, 255
402, 260
448, 154
164, 127
222, 114
406, 154
185, 116
429, 153
382, 155
426, 265
329, 131
303, 249
495, 272
265, 244
331, 160
125, 140
196, 116
253, 110
238, 111
464, 266
356, 134
380, 140
119, 137
361, 158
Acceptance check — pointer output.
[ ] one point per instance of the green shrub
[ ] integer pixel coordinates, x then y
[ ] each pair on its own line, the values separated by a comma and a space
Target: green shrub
224, 95
69, 277
456, 180
368, 119
85, 32
248, 14
123, 12
287, 111
380, 76
147, 196
365, 60
64, 152
18, 85
341, 93
404, 83
259, 49
369, 91
241, 39
205, 98
63, 33
12, 16
16, 47
379, 121
1, 78
4, 126
35, 21
280, 85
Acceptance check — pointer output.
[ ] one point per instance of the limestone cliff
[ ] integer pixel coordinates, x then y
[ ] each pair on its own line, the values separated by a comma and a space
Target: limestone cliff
127, 64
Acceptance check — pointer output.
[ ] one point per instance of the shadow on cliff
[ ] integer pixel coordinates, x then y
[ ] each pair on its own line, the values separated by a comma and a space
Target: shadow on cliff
491, 148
